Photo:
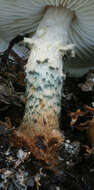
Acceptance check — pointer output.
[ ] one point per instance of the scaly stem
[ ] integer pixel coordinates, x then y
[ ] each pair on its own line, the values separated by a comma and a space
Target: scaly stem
44, 74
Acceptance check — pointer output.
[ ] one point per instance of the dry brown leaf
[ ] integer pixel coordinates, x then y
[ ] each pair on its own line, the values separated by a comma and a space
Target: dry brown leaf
91, 131
7, 123
75, 115
88, 149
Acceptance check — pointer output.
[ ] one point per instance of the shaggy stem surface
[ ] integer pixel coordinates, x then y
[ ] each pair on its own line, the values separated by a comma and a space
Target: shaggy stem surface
44, 74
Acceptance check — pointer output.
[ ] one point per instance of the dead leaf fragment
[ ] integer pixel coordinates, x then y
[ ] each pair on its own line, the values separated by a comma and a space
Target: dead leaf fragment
91, 131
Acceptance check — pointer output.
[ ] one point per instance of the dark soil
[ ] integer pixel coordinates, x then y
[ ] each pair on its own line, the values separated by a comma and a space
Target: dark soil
19, 170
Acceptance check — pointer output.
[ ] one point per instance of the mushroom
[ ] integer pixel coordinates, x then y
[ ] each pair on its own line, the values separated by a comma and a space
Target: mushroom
59, 26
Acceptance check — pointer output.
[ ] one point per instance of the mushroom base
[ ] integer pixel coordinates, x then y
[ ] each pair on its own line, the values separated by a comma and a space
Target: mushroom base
42, 138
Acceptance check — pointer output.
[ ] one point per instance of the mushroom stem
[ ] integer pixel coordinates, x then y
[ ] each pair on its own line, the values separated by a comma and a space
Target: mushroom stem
44, 77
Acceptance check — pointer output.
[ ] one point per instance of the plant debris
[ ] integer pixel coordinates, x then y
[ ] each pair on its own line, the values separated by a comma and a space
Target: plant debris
19, 170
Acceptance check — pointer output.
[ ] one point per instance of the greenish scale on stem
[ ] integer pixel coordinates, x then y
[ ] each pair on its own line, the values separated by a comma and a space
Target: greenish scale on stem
44, 70
44, 80
43, 89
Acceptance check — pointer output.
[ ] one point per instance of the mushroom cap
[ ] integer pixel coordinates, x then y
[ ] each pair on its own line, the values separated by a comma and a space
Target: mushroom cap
23, 16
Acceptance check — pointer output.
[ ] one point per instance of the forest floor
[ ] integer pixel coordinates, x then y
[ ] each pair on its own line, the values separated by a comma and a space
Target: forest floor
19, 170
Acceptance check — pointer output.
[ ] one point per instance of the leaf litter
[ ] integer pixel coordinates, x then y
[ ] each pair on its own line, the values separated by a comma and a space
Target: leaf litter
18, 168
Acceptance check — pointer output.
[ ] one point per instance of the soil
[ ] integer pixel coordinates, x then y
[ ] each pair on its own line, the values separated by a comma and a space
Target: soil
19, 170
